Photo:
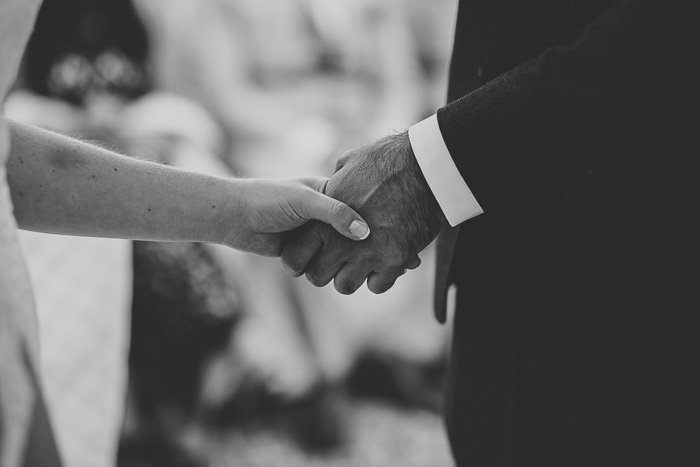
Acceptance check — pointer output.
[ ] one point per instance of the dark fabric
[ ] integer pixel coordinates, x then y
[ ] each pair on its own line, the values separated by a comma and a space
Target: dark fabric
180, 295
444, 253
574, 339
86, 46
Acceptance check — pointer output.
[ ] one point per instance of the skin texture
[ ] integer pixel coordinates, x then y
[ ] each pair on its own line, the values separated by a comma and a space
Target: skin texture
273, 207
383, 181
65, 186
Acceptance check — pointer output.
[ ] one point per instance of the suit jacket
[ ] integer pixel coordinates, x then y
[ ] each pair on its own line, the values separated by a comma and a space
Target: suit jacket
568, 119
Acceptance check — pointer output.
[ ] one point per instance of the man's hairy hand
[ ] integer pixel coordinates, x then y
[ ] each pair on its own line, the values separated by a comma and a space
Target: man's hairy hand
383, 182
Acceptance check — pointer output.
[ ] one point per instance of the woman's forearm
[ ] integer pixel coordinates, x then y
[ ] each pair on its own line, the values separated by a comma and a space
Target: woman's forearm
62, 185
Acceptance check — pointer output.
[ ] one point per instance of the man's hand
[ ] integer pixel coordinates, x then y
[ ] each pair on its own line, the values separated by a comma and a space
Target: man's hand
268, 209
383, 181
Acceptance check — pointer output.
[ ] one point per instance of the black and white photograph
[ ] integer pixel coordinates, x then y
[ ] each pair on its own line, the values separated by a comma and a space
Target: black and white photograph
349, 233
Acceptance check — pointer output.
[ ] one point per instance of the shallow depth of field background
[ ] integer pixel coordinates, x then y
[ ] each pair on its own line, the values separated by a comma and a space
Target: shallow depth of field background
177, 354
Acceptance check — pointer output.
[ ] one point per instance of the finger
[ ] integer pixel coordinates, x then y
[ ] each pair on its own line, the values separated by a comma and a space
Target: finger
342, 160
415, 262
381, 282
317, 183
344, 219
300, 248
322, 276
327, 262
350, 278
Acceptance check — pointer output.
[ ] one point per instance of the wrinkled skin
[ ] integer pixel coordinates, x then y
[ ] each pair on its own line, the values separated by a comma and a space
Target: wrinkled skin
383, 182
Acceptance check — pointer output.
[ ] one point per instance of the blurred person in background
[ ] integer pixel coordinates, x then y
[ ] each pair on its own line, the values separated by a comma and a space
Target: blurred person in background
291, 79
85, 73
53, 183
273, 109
293, 83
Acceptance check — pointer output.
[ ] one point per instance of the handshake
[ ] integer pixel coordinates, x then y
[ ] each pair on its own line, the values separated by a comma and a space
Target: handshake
70, 187
383, 182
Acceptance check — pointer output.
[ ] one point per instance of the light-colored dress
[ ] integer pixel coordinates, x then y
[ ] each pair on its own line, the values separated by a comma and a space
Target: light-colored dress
25, 434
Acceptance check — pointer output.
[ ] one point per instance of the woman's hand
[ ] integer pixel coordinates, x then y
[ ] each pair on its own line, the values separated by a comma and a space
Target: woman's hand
65, 186
268, 209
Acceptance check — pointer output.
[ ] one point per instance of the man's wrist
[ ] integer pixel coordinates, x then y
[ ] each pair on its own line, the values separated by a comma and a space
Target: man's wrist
427, 218
431, 204
453, 195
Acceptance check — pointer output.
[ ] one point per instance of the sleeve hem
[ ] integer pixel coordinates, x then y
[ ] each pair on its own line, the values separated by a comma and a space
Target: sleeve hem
449, 188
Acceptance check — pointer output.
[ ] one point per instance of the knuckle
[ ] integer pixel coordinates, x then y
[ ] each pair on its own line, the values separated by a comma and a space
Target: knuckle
414, 263
316, 235
338, 209
343, 159
293, 264
382, 284
292, 259
315, 279
315, 183
394, 265
376, 289
345, 286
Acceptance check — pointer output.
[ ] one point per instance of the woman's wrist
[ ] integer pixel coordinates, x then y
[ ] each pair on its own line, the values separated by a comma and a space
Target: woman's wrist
228, 213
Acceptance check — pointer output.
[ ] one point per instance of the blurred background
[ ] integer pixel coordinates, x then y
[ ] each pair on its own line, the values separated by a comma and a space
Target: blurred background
184, 354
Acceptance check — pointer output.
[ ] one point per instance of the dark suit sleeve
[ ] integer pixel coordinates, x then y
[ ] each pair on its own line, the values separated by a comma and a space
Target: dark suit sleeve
537, 136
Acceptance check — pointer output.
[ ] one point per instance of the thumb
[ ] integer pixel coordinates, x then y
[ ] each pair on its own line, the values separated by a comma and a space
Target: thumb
342, 217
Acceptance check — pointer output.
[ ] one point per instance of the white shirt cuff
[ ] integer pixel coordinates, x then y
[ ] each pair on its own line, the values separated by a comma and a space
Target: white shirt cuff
451, 191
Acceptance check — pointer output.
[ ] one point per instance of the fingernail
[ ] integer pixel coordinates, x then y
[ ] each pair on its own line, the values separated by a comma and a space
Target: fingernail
359, 229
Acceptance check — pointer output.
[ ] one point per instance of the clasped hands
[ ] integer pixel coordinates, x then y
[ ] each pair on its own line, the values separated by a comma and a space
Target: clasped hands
382, 182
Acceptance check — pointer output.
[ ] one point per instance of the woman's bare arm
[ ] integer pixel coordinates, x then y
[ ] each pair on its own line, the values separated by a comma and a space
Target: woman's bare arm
66, 186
